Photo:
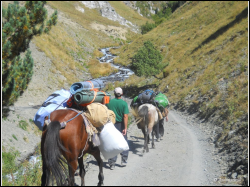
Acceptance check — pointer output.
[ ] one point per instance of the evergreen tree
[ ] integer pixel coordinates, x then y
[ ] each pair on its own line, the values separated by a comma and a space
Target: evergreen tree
147, 61
19, 25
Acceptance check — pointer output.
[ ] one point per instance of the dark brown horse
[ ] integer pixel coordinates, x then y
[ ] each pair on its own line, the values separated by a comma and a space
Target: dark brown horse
72, 142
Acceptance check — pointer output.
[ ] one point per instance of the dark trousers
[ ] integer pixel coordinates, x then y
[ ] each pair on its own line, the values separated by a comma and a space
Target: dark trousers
119, 126
159, 129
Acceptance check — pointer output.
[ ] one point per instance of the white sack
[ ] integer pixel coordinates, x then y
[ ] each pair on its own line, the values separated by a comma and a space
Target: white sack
112, 141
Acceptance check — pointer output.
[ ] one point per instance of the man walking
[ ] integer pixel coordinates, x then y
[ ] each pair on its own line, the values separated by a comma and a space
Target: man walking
120, 108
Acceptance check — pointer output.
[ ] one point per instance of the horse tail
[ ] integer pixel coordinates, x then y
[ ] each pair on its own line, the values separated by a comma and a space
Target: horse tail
143, 113
53, 159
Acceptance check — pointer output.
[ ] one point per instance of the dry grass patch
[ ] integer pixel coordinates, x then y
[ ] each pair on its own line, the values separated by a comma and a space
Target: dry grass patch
98, 69
97, 53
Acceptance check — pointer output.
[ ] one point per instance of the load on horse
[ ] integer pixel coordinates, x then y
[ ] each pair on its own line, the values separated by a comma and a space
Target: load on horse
159, 104
76, 122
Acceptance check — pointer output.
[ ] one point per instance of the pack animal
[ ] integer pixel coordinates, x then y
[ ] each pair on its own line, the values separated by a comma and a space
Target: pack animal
147, 118
72, 143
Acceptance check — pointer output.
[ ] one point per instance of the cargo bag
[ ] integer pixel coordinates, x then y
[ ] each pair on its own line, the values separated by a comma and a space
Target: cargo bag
86, 85
147, 96
84, 98
98, 114
57, 100
161, 100
112, 141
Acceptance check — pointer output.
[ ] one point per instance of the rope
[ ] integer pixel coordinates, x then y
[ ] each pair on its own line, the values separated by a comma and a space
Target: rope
84, 147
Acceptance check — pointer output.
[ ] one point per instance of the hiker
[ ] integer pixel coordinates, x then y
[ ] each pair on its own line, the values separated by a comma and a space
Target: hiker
120, 108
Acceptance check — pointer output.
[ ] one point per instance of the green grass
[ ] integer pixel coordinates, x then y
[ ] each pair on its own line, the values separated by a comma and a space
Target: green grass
180, 39
14, 136
23, 125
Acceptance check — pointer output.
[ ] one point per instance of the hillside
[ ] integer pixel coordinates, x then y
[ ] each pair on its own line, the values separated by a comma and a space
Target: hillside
205, 44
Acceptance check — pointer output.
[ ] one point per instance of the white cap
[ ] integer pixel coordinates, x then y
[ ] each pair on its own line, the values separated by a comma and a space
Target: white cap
118, 91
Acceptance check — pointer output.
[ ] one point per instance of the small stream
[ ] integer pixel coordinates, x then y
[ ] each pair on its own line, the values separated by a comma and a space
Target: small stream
123, 72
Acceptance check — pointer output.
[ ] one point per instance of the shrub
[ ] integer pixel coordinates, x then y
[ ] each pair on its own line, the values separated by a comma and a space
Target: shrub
147, 61
147, 27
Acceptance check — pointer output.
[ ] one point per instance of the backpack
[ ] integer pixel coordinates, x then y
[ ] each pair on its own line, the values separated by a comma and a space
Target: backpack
147, 96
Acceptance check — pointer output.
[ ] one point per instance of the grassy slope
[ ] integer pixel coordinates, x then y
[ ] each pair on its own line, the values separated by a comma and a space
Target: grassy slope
206, 45
76, 45
194, 66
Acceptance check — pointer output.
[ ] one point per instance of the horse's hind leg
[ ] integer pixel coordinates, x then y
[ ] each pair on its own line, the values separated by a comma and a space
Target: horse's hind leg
72, 168
146, 139
82, 170
98, 158
153, 142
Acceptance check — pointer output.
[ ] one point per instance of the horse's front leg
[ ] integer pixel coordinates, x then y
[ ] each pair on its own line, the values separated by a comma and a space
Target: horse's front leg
82, 170
98, 158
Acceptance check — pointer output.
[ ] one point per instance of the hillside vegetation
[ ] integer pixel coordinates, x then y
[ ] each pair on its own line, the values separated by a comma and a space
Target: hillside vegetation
206, 46
204, 43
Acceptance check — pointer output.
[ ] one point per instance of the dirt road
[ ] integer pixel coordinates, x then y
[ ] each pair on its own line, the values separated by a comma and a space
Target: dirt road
183, 157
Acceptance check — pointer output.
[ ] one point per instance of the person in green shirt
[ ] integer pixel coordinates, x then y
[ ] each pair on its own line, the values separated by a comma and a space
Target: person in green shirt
120, 108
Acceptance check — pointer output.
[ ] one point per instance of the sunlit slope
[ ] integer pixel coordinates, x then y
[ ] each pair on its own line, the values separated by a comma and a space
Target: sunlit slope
73, 42
206, 45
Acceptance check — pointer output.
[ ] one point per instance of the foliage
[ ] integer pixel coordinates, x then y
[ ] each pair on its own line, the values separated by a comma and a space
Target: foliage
8, 161
144, 8
160, 15
27, 174
20, 24
23, 124
147, 27
147, 61
175, 4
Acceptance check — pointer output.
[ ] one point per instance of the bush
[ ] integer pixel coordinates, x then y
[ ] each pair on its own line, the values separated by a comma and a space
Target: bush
147, 61
147, 27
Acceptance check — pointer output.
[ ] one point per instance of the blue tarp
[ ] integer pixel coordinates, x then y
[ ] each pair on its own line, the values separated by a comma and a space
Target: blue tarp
57, 100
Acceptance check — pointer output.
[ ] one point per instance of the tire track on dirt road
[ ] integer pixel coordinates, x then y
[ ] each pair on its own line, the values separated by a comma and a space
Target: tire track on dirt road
183, 157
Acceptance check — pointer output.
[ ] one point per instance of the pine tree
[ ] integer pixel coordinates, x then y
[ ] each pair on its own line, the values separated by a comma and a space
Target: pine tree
147, 61
20, 24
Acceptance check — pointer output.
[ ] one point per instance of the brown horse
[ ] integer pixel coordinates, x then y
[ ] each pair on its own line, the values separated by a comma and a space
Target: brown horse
72, 142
